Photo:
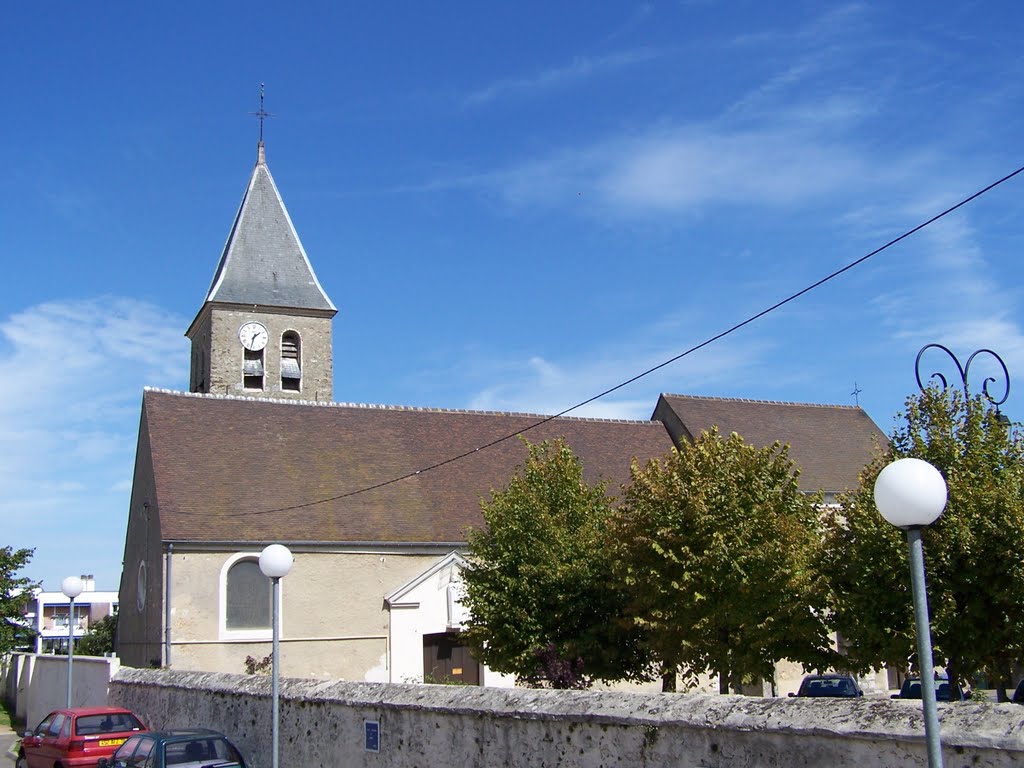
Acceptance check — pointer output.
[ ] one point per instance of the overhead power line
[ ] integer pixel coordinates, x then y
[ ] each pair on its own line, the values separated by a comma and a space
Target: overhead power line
649, 371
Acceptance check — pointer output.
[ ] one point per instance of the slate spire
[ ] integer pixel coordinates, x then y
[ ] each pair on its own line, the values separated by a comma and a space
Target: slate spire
264, 263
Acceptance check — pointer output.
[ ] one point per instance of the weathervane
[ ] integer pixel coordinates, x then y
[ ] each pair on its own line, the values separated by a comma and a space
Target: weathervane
262, 114
964, 370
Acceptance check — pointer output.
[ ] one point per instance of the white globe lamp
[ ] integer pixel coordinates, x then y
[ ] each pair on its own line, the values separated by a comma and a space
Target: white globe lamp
910, 493
275, 561
72, 587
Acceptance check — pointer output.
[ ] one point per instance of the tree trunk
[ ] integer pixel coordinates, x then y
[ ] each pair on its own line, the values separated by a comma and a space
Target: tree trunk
723, 682
953, 673
668, 680
1003, 681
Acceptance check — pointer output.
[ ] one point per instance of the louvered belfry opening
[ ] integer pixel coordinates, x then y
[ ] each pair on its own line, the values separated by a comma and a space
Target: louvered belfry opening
252, 369
291, 371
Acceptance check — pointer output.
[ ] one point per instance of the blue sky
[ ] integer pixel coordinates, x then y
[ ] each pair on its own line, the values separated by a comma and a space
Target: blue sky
514, 207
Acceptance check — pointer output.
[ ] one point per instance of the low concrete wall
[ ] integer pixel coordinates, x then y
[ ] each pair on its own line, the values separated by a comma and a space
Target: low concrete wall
323, 724
37, 684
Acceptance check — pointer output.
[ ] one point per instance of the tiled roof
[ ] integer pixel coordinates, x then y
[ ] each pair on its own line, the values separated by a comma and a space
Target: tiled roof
221, 463
830, 443
263, 261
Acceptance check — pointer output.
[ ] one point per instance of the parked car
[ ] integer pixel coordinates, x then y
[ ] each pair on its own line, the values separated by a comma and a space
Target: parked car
186, 748
911, 689
833, 685
79, 736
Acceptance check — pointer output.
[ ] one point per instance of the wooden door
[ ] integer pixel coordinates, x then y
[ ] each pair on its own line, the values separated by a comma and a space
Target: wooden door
447, 660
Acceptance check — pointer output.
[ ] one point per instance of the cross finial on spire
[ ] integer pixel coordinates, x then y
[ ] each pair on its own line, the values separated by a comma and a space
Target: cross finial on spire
262, 114
856, 392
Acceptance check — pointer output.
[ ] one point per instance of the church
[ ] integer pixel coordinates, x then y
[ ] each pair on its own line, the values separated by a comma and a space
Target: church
367, 497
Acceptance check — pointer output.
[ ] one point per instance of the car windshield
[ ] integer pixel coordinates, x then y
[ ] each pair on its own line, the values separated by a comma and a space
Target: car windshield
828, 686
112, 722
201, 751
912, 690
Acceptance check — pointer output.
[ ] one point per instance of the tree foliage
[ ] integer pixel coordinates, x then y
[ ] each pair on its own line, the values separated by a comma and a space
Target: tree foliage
975, 576
539, 588
100, 638
714, 543
16, 592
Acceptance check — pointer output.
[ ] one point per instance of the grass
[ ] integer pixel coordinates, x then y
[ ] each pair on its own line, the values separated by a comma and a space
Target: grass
7, 719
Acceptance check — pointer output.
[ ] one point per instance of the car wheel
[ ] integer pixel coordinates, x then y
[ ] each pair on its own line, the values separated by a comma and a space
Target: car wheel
21, 762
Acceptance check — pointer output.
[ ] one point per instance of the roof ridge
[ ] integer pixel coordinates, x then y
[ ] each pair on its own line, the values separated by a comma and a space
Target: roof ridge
384, 407
762, 402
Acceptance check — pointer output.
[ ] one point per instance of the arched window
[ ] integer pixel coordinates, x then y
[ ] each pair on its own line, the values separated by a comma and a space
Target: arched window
247, 599
291, 362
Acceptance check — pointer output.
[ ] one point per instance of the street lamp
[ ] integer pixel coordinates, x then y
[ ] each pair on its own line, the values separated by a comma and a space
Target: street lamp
275, 562
71, 587
910, 494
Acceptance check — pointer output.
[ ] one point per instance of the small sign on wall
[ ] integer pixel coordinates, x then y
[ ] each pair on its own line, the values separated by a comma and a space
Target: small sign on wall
371, 736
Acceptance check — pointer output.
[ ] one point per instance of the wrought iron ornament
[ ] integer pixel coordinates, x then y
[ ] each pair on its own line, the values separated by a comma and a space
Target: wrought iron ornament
262, 114
964, 370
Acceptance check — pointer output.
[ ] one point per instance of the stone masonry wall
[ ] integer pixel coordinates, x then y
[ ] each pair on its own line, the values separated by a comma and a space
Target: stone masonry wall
226, 354
322, 724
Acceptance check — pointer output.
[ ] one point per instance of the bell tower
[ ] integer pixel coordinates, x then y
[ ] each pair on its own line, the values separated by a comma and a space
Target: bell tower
264, 329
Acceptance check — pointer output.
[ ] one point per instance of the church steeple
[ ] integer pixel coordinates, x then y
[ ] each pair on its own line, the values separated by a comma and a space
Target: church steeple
264, 329
263, 261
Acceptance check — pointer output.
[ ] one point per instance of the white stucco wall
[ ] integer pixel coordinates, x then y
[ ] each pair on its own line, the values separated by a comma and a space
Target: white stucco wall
43, 683
429, 604
334, 624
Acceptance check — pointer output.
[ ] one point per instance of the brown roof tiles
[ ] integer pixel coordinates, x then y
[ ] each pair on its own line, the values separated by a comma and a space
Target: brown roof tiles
830, 443
236, 469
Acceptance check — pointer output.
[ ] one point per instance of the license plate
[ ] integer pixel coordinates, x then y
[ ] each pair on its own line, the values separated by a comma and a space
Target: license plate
111, 742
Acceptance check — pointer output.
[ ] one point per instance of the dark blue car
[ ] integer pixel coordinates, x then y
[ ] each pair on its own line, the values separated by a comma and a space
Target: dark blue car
193, 748
832, 686
911, 689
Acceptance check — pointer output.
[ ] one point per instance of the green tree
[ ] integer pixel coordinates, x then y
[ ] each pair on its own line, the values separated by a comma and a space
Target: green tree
715, 543
16, 592
100, 638
539, 587
975, 577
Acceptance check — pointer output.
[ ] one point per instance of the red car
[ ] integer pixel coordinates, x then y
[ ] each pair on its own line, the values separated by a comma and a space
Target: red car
77, 737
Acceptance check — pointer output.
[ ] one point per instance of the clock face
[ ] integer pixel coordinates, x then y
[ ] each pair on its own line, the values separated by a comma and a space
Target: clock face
253, 336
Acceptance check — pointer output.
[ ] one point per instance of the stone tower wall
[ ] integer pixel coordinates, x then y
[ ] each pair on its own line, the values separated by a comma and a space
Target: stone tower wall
226, 354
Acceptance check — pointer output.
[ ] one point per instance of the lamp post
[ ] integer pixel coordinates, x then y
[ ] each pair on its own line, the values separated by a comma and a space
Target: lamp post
275, 562
911, 494
71, 587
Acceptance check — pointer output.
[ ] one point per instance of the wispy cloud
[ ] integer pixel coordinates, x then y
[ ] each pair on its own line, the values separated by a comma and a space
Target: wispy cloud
834, 24
688, 168
579, 69
532, 383
679, 170
950, 253
71, 379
